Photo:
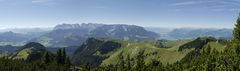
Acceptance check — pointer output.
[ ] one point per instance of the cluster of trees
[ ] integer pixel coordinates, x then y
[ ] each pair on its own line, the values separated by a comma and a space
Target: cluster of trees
49, 62
60, 58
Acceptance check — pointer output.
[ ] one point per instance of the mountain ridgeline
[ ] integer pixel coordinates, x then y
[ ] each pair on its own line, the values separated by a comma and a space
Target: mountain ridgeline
94, 51
126, 32
74, 34
198, 43
188, 33
65, 35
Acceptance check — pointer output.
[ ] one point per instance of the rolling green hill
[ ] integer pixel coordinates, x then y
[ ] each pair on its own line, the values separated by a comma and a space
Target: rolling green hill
109, 51
113, 52
93, 51
148, 51
30, 52
197, 43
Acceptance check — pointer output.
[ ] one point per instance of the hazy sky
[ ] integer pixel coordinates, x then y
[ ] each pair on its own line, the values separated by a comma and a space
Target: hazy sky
157, 13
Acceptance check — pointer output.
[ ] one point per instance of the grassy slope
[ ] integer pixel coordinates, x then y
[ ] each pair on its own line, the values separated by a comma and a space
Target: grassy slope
133, 49
30, 51
215, 45
23, 54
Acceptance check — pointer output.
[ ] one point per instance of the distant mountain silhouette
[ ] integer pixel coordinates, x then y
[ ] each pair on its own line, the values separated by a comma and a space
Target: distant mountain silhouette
18, 39
11, 37
64, 35
126, 32
188, 33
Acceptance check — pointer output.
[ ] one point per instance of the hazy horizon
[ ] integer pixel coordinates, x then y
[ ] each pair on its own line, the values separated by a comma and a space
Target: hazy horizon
160, 27
146, 13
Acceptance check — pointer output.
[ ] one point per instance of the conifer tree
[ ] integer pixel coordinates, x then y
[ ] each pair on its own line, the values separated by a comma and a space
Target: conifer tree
59, 56
236, 32
67, 61
46, 58
64, 55
236, 36
128, 62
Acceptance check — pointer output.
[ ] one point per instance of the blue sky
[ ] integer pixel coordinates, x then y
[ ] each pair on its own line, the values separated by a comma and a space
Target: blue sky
156, 13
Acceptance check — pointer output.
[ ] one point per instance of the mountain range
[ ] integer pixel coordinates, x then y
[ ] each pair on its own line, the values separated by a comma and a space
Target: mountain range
187, 33
65, 35
191, 33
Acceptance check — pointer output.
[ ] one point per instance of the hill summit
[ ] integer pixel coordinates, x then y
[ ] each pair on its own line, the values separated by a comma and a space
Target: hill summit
30, 52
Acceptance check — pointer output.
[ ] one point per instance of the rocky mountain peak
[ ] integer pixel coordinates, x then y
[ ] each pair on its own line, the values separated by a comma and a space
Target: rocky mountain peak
67, 26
